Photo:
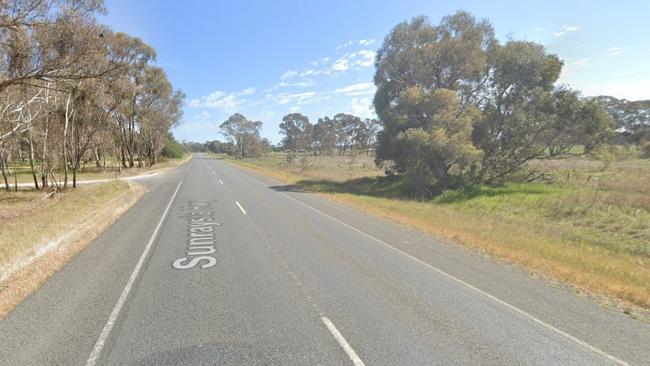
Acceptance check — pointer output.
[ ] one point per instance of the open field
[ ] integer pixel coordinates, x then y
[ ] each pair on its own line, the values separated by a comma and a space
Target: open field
64, 223
586, 224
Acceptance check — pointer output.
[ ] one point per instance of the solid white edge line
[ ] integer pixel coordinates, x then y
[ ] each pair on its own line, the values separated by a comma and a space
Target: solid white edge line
94, 355
356, 360
475, 289
241, 208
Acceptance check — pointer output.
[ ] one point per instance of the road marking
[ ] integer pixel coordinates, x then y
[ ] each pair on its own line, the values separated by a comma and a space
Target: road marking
475, 289
356, 360
241, 208
94, 355
220, 181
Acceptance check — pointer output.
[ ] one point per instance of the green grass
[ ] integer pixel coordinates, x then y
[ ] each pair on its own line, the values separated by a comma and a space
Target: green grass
588, 225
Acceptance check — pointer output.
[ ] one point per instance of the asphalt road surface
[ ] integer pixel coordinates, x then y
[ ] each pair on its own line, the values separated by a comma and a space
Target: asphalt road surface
216, 265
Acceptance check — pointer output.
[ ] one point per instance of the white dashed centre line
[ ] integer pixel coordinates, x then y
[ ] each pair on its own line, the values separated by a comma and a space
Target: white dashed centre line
241, 208
356, 360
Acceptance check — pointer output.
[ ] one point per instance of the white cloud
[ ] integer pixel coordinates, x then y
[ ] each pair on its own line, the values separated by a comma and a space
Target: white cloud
203, 116
367, 58
310, 72
357, 89
341, 64
299, 98
366, 42
361, 107
200, 122
222, 100
359, 59
248, 91
289, 74
615, 51
566, 29
360, 42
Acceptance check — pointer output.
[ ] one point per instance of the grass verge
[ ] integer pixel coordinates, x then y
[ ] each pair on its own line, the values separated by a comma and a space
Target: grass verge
589, 228
66, 223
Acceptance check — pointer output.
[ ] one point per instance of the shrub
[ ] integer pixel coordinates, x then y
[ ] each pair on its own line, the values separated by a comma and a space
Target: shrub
173, 150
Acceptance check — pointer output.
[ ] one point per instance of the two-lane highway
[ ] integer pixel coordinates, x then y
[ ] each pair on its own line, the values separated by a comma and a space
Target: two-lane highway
216, 265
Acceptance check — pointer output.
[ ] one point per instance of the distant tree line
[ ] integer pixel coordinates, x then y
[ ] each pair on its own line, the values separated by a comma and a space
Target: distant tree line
632, 119
339, 134
73, 91
458, 107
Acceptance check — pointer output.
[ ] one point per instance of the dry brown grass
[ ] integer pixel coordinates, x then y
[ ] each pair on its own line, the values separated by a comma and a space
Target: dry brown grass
590, 228
29, 221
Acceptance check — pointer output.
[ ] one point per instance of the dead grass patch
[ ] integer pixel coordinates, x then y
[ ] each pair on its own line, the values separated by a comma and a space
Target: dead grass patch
29, 222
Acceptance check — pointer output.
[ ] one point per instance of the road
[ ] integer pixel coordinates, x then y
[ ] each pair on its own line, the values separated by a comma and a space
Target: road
217, 265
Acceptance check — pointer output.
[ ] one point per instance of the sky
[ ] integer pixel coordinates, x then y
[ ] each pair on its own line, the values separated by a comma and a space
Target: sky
266, 59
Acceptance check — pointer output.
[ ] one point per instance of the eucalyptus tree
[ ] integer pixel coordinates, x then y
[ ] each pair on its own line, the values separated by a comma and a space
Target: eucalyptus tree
345, 127
71, 90
458, 107
632, 117
297, 132
38, 34
244, 134
365, 135
324, 136
526, 116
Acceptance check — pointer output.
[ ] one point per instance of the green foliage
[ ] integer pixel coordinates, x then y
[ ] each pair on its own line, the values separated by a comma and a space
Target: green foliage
345, 127
458, 107
172, 149
297, 132
324, 136
430, 139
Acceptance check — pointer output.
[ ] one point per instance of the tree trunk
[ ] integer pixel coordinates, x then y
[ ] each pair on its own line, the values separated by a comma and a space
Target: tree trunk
65, 139
31, 158
44, 156
3, 162
15, 176
98, 163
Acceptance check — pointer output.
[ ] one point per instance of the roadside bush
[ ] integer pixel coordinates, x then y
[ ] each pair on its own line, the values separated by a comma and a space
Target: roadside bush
173, 150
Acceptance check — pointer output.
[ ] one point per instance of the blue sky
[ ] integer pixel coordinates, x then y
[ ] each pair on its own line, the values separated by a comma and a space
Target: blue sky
269, 58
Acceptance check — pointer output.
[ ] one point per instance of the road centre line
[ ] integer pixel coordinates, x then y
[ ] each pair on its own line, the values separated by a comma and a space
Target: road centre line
241, 208
99, 345
356, 360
